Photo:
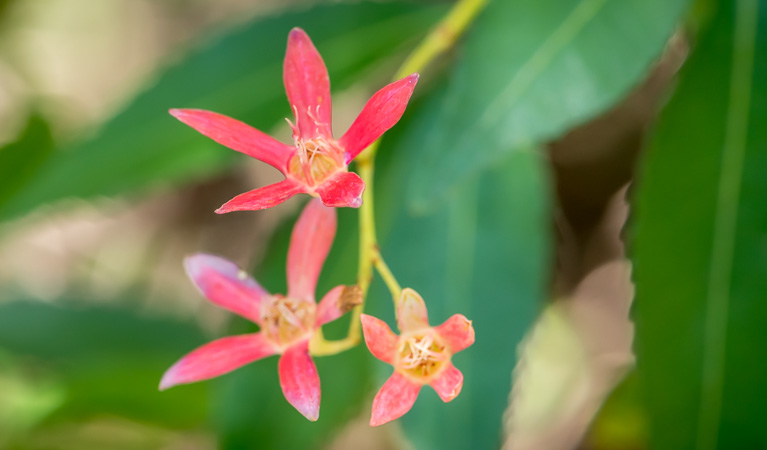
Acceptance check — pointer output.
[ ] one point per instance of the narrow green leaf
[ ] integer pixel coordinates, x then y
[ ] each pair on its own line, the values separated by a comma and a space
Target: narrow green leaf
533, 69
240, 75
701, 244
109, 360
21, 159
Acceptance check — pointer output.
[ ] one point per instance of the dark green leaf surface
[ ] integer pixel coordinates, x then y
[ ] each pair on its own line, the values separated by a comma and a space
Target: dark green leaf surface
701, 245
531, 70
21, 159
110, 360
240, 75
484, 255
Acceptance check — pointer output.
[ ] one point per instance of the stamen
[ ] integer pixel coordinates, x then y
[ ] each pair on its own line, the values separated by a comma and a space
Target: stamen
288, 315
305, 163
292, 127
423, 355
288, 319
296, 133
315, 117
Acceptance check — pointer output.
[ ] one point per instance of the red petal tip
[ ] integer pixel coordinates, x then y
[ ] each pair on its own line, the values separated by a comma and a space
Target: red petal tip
299, 380
167, 381
177, 113
297, 32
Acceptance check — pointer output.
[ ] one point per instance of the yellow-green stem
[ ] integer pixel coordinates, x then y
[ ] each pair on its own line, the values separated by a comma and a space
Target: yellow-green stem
440, 39
368, 253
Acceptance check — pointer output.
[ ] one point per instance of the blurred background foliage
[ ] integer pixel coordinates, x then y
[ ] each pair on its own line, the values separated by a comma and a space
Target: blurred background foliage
552, 135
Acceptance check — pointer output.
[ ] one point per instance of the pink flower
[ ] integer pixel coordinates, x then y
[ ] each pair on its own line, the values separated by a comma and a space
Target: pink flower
420, 355
287, 322
316, 164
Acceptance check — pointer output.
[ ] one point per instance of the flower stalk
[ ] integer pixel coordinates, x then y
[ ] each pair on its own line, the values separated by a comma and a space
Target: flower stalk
439, 40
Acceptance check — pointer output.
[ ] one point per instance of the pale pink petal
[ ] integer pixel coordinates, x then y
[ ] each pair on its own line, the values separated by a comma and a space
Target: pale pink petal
329, 308
309, 246
411, 312
379, 338
217, 358
308, 86
457, 332
300, 381
237, 136
381, 112
343, 189
262, 198
449, 383
224, 284
395, 398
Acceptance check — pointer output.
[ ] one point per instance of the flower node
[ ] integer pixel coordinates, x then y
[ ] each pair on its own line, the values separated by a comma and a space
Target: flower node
422, 355
287, 320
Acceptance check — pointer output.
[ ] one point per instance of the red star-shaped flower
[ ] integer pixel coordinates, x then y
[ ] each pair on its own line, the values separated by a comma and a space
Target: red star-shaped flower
316, 164
287, 322
420, 355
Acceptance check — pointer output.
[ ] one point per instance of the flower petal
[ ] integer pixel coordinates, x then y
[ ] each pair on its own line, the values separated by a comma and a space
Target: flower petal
449, 383
238, 136
411, 312
309, 246
299, 380
224, 284
381, 112
457, 332
262, 198
217, 358
341, 190
395, 398
330, 308
308, 86
379, 338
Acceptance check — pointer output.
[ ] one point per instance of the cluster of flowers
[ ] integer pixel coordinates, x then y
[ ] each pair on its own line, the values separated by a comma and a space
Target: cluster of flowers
318, 165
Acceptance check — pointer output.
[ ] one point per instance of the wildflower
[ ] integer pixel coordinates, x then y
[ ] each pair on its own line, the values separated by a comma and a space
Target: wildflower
317, 164
287, 322
420, 355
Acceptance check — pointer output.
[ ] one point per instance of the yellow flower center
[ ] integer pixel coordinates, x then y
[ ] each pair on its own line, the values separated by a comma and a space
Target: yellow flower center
286, 320
315, 161
421, 355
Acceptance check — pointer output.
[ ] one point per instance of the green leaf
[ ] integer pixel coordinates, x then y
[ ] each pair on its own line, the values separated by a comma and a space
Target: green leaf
21, 159
24, 400
701, 244
533, 69
238, 74
109, 360
485, 255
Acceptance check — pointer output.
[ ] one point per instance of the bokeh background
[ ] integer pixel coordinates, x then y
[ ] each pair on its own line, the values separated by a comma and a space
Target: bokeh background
561, 157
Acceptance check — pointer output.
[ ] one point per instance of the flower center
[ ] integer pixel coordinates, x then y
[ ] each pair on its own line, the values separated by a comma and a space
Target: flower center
287, 320
421, 355
315, 160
